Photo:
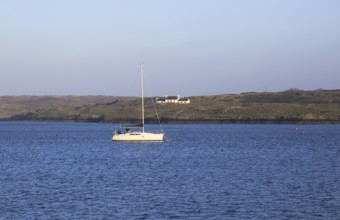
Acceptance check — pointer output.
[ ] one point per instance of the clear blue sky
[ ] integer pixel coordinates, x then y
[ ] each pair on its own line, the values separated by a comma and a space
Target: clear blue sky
189, 47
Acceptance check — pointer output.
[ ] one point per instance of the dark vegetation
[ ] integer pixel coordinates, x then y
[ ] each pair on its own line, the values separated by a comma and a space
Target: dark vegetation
291, 106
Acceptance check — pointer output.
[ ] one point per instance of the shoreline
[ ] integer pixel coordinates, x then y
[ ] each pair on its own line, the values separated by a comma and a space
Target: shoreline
179, 122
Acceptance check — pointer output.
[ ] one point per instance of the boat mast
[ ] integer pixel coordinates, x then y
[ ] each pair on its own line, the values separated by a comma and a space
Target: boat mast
142, 76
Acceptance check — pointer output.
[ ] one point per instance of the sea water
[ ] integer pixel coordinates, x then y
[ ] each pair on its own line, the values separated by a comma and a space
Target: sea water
75, 171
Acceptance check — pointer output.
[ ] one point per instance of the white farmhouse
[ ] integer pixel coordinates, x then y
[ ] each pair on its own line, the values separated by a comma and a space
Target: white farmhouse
184, 101
172, 99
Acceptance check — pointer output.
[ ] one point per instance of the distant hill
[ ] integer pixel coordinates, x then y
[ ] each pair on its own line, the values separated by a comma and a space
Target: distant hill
292, 106
13, 105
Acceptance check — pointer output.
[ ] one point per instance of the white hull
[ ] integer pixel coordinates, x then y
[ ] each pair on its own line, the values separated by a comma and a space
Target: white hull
138, 137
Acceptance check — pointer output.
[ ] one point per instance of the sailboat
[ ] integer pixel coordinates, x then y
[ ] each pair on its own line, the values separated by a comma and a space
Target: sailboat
136, 133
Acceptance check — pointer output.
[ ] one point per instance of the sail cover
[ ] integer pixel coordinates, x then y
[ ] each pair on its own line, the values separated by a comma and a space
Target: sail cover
133, 126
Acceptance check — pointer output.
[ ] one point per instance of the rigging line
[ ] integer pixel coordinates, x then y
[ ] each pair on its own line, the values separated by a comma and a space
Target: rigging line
153, 103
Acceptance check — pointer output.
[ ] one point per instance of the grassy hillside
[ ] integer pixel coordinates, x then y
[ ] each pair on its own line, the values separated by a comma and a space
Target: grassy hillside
293, 106
13, 105
283, 107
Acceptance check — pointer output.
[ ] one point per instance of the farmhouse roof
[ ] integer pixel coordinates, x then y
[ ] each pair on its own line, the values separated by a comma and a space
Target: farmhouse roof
172, 97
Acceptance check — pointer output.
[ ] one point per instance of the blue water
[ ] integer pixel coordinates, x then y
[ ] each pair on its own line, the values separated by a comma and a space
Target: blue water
74, 171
